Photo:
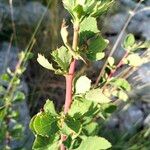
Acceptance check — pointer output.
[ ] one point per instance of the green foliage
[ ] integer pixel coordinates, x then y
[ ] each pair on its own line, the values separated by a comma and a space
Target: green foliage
44, 62
78, 125
79, 9
45, 125
96, 45
2, 113
61, 56
10, 94
87, 102
96, 95
129, 41
5, 77
86, 26
83, 84
90, 36
49, 108
18, 96
91, 128
134, 60
72, 127
121, 84
122, 87
131, 45
122, 95
79, 107
94, 143
111, 61
45, 143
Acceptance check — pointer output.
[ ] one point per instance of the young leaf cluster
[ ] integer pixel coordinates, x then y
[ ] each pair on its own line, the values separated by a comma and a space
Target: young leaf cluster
79, 9
130, 45
77, 126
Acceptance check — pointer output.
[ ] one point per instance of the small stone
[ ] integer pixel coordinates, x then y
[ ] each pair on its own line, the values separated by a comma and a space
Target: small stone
8, 57
147, 121
131, 118
113, 122
114, 24
139, 25
29, 14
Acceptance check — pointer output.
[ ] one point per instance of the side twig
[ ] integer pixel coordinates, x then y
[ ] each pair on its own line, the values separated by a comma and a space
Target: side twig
117, 43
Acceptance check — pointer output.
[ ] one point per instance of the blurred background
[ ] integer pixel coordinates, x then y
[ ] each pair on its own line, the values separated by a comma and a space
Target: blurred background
25, 21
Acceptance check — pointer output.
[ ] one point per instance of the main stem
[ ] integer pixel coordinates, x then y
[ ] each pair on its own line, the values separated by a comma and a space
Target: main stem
70, 77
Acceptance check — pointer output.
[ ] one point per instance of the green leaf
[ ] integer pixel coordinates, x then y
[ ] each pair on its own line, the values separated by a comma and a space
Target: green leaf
94, 143
50, 108
16, 81
129, 41
14, 114
63, 58
78, 11
96, 95
31, 125
69, 5
106, 110
98, 56
44, 62
68, 142
79, 107
91, 129
109, 108
111, 61
19, 96
83, 109
89, 24
82, 85
145, 44
121, 83
17, 131
41, 142
5, 77
90, 7
101, 7
95, 49
54, 146
2, 112
45, 143
45, 125
71, 126
122, 95
87, 31
134, 60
